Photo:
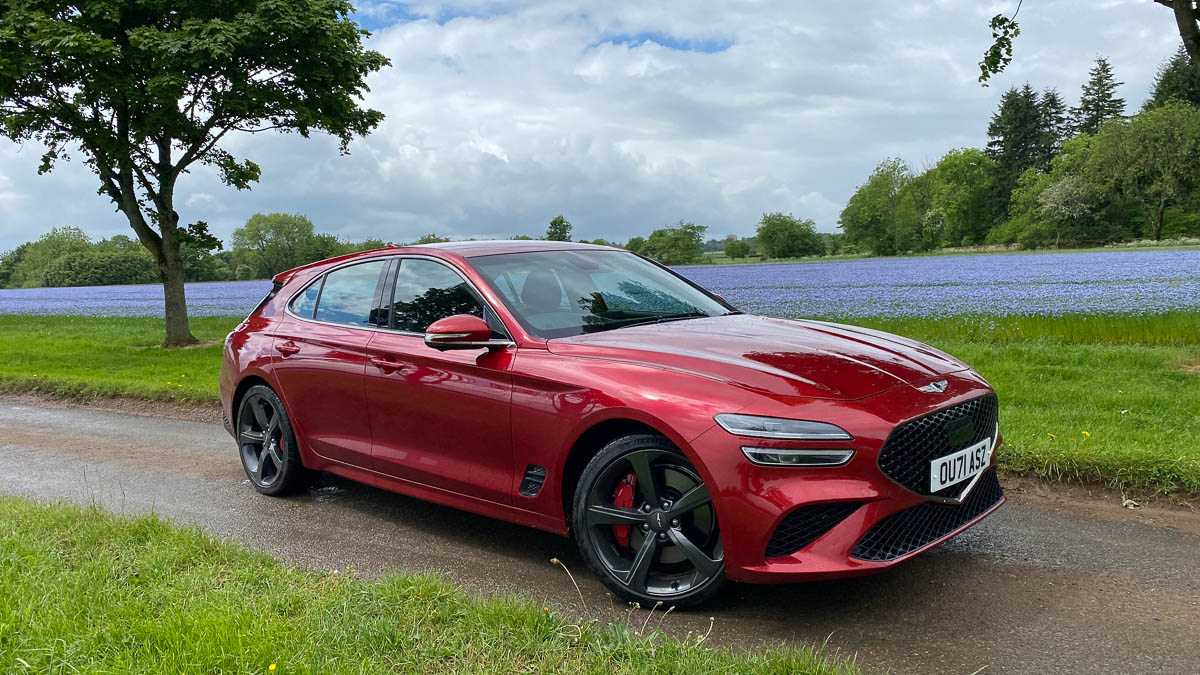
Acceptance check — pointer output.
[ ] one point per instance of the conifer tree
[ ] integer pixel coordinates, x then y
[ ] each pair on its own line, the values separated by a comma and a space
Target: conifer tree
1017, 140
1098, 102
1056, 125
1178, 78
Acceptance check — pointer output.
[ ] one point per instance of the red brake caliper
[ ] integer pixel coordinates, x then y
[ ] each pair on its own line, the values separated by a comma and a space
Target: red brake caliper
623, 499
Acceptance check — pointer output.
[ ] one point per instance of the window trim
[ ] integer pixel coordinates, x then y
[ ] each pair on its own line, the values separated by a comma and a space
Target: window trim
374, 295
387, 283
391, 293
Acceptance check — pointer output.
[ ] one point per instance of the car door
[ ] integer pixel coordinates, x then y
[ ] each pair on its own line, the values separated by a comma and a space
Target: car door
322, 341
439, 418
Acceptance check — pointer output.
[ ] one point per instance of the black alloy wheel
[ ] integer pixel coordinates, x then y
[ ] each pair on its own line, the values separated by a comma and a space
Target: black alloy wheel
267, 444
661, 543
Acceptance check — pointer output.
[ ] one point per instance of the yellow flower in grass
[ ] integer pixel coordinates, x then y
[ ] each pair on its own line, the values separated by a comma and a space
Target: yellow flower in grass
1088, 434
1052, 436
271, 667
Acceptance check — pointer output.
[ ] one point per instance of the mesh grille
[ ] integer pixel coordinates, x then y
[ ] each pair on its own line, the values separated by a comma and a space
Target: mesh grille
806, 524
915, 527
906, 454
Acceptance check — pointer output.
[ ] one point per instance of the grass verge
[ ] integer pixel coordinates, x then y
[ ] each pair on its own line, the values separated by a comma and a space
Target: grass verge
1131, 382
84, 357
83, 590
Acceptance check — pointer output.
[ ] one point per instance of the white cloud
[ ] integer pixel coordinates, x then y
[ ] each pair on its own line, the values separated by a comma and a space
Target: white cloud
627, 116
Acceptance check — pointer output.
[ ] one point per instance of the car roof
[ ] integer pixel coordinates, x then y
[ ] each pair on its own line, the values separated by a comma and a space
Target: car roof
464, 249
471, 249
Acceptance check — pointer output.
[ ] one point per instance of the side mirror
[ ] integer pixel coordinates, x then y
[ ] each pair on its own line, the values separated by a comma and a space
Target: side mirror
461, 331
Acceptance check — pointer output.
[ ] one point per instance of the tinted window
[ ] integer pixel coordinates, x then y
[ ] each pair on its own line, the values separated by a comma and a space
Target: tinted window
427, 291
349, 294
560, 293
304, 304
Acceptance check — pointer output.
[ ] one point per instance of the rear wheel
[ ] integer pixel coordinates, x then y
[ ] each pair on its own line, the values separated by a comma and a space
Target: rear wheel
645, 524
267, 444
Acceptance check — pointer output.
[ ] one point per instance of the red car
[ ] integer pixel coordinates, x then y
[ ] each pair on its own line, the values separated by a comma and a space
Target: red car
589, 392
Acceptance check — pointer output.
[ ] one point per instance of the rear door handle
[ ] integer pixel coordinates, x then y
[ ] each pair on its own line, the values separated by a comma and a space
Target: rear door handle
386, 364
288, 348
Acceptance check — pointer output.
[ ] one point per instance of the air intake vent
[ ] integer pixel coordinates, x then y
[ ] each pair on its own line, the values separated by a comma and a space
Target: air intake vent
531, 484
918, 526
806, 524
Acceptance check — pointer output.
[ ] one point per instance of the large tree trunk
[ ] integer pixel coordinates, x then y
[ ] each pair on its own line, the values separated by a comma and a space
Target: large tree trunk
1187, 18
179, 333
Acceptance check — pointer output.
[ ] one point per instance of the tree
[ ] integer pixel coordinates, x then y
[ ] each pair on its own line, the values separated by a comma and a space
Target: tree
869, 220
1055, 124
962, 193
1068, 205
1097, 102
430, 239
676, 244
737, 249
270, 243
146, 90
1177, 79
1005, 29
1017, 139
1160, 158
636, 245
782, 236
29, 271
559, 229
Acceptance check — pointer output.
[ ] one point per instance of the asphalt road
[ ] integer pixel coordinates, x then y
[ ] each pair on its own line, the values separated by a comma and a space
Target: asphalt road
1028, 591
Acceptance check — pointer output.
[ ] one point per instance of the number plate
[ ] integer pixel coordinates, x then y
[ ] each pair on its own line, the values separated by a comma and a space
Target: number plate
962, 465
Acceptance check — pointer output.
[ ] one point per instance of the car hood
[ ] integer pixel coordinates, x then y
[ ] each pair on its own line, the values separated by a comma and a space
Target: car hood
813, 359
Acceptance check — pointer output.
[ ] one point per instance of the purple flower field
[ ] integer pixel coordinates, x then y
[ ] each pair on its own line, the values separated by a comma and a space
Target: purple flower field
1046, 284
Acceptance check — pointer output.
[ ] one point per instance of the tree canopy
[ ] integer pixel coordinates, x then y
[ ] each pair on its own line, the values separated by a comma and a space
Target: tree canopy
1098, 102
559, 229
145, 89
783, 236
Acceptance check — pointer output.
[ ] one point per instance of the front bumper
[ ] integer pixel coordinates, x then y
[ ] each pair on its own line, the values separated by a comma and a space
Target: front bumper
837, 521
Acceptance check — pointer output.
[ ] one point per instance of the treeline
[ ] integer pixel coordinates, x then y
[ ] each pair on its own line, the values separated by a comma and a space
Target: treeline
1049, 176
778, 235
266, 245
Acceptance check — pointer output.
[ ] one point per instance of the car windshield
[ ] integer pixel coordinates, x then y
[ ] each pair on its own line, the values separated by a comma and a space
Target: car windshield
561, 293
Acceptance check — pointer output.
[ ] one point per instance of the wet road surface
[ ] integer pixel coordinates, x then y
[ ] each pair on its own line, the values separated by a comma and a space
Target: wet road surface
1027, 591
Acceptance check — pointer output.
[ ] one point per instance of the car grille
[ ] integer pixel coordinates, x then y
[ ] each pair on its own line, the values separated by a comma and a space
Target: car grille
915, 527
912, 445
806, 524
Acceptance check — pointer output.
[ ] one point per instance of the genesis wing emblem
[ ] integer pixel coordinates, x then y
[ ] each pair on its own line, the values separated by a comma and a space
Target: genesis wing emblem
934, 387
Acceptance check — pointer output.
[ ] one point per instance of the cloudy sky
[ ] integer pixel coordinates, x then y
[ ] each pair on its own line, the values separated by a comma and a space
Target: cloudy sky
625, 116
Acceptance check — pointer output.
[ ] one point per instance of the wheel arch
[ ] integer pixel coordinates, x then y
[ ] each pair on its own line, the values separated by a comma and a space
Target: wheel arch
595, 437
242, 387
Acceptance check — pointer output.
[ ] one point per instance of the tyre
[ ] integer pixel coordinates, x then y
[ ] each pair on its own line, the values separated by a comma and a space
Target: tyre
267, 444
645, 524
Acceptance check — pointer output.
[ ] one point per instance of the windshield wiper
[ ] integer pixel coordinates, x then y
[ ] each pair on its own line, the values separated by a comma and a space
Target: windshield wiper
661, 318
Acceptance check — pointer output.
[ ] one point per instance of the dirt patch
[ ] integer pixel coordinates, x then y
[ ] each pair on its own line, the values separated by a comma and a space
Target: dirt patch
1103, 503
1191, 368
190, 412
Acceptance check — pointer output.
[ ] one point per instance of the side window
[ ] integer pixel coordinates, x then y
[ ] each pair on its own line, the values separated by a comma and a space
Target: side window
349, 294
427, 291
304, 304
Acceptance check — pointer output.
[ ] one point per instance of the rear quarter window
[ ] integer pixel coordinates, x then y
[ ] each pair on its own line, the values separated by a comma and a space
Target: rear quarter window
348, 294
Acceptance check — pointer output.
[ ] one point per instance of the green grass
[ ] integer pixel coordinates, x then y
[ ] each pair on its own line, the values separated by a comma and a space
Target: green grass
85, 591
84, 357
1057, 378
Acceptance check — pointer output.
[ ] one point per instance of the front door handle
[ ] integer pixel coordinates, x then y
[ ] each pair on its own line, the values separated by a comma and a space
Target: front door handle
288, 348
386, 364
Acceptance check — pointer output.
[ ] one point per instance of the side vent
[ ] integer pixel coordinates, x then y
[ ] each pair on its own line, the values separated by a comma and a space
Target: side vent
531, 484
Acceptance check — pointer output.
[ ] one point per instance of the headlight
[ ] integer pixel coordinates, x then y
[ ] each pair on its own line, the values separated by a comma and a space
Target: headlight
778, 427
792, 457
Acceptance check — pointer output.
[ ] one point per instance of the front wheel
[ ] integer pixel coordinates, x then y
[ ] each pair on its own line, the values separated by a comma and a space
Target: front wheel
267, 444
645, 524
